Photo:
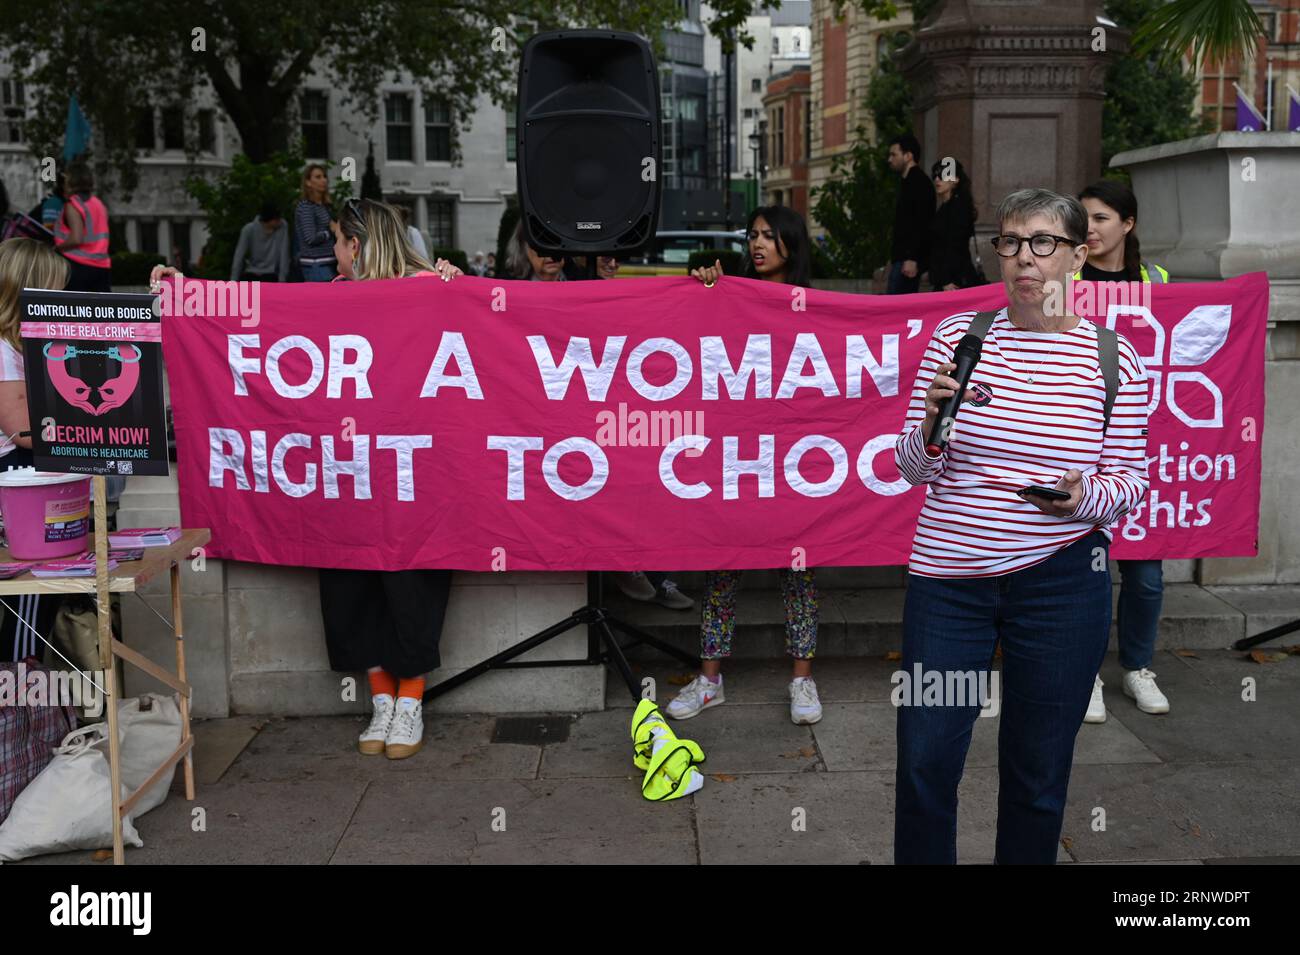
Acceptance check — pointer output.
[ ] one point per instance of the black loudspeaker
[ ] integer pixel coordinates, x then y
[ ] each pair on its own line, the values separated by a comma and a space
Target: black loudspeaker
589, 152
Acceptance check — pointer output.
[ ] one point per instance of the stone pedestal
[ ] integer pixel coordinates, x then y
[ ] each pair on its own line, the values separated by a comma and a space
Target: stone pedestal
1210, 208
1013, 90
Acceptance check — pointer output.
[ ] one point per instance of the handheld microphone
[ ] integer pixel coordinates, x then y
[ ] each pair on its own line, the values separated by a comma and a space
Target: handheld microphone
965, 357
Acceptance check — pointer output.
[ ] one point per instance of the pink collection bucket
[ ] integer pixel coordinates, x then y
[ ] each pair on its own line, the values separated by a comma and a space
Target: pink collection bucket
46, 515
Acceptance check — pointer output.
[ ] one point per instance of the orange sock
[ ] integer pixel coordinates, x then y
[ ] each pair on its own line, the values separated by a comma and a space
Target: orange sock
381, 681
413, 687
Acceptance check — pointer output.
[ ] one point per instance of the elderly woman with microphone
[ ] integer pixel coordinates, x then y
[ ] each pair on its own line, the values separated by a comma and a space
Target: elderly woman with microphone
1047, 450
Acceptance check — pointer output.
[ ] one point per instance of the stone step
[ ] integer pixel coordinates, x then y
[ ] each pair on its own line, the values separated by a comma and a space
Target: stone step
868, 621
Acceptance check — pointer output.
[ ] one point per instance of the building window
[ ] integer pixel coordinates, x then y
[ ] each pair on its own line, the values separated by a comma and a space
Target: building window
780, 135
807, 131
442, 222
144, 130
15, 111
776, 198
148, 233
756, 85
749, 113
776, 46
314, 109
180, 250
688, 108
207, 131
437, 129
512, 132
398, 127
797, 43
173, 123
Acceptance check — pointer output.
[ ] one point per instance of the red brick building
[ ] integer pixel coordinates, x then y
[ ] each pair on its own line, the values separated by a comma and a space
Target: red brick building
789, 130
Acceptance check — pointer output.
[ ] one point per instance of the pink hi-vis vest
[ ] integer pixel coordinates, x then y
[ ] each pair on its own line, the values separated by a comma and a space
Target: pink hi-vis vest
93, 250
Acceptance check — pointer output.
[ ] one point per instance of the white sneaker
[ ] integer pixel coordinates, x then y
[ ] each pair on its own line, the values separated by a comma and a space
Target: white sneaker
636, 585
372, 740
406, 735
1141, 685
1096, 706
696, 697
669, 596
805, 707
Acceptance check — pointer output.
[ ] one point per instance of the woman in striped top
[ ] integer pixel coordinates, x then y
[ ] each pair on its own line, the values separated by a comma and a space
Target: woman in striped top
992, 563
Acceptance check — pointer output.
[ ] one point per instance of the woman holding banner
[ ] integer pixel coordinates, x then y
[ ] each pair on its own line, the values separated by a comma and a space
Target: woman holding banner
1011, 543
779, 251
388, 623
1114, 255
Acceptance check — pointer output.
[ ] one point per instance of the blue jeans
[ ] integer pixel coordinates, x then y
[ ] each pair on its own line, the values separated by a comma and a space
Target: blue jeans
898, 283
319, 272
1141, 593
1053, 621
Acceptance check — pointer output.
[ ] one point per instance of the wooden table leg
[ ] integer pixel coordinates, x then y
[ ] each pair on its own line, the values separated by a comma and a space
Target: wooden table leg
178, 626
108, 660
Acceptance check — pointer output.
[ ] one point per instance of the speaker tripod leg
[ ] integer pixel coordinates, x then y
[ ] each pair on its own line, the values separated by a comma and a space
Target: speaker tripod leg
615, 653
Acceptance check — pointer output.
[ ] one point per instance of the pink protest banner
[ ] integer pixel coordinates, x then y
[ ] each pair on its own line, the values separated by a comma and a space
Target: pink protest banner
641, 423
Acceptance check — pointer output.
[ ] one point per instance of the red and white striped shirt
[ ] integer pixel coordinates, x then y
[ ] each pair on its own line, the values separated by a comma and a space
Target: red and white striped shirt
972, 523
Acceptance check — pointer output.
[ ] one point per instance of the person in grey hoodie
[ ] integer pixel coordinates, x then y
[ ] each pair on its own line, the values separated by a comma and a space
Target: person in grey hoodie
311, 222
262, 254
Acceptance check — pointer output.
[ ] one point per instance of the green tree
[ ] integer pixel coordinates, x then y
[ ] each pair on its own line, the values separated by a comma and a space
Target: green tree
856, 204
1147, 101
231, 199
123, 58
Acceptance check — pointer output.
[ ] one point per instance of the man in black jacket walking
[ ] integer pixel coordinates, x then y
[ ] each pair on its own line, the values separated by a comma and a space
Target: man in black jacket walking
912, 216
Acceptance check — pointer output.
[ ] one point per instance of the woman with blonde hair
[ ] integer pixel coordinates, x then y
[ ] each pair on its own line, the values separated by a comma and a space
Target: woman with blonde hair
387, 623
24, 263
311, 223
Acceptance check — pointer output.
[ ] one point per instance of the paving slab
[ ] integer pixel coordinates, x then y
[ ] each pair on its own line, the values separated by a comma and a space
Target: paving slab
1208, 721
578, 821
1191, 811
455, 747
293, 822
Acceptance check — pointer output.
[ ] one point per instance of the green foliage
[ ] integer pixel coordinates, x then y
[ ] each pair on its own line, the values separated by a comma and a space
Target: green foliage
456, 257
133, 268
1209, 30
122, 57
856, 205
1147, 102
733, 262
231, 200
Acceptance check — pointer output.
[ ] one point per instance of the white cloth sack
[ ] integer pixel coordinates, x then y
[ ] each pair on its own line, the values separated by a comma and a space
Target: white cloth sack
67, 806
149, 727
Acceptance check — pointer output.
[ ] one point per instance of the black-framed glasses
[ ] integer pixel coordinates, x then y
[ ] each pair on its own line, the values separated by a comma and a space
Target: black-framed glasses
1042, 244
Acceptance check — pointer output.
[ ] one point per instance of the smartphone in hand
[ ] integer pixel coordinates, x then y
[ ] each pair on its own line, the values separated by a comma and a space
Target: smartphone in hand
1051, 493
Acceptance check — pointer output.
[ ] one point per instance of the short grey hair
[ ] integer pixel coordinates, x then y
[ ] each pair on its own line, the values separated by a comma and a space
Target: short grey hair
1023, 203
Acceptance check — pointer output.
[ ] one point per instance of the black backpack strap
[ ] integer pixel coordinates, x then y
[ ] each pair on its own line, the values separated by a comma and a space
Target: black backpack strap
980, 324
1108, 357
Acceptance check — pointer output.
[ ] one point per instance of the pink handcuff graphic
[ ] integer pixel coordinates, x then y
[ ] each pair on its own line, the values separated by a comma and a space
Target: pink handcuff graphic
113, 393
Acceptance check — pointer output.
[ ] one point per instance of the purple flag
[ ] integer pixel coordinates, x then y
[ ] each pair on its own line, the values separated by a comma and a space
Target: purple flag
1249, 119
1293, 111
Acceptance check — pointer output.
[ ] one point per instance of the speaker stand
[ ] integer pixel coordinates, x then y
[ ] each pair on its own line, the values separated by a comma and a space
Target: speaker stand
602, 645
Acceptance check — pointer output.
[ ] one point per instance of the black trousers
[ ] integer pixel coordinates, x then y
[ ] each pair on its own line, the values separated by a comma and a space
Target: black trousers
389, 619
88, 278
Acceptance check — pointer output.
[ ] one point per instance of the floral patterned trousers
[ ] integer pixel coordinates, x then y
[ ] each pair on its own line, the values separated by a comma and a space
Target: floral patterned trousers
718, 613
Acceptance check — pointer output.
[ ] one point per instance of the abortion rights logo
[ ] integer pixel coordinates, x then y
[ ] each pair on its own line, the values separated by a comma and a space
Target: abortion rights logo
93, 399
1195, 339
